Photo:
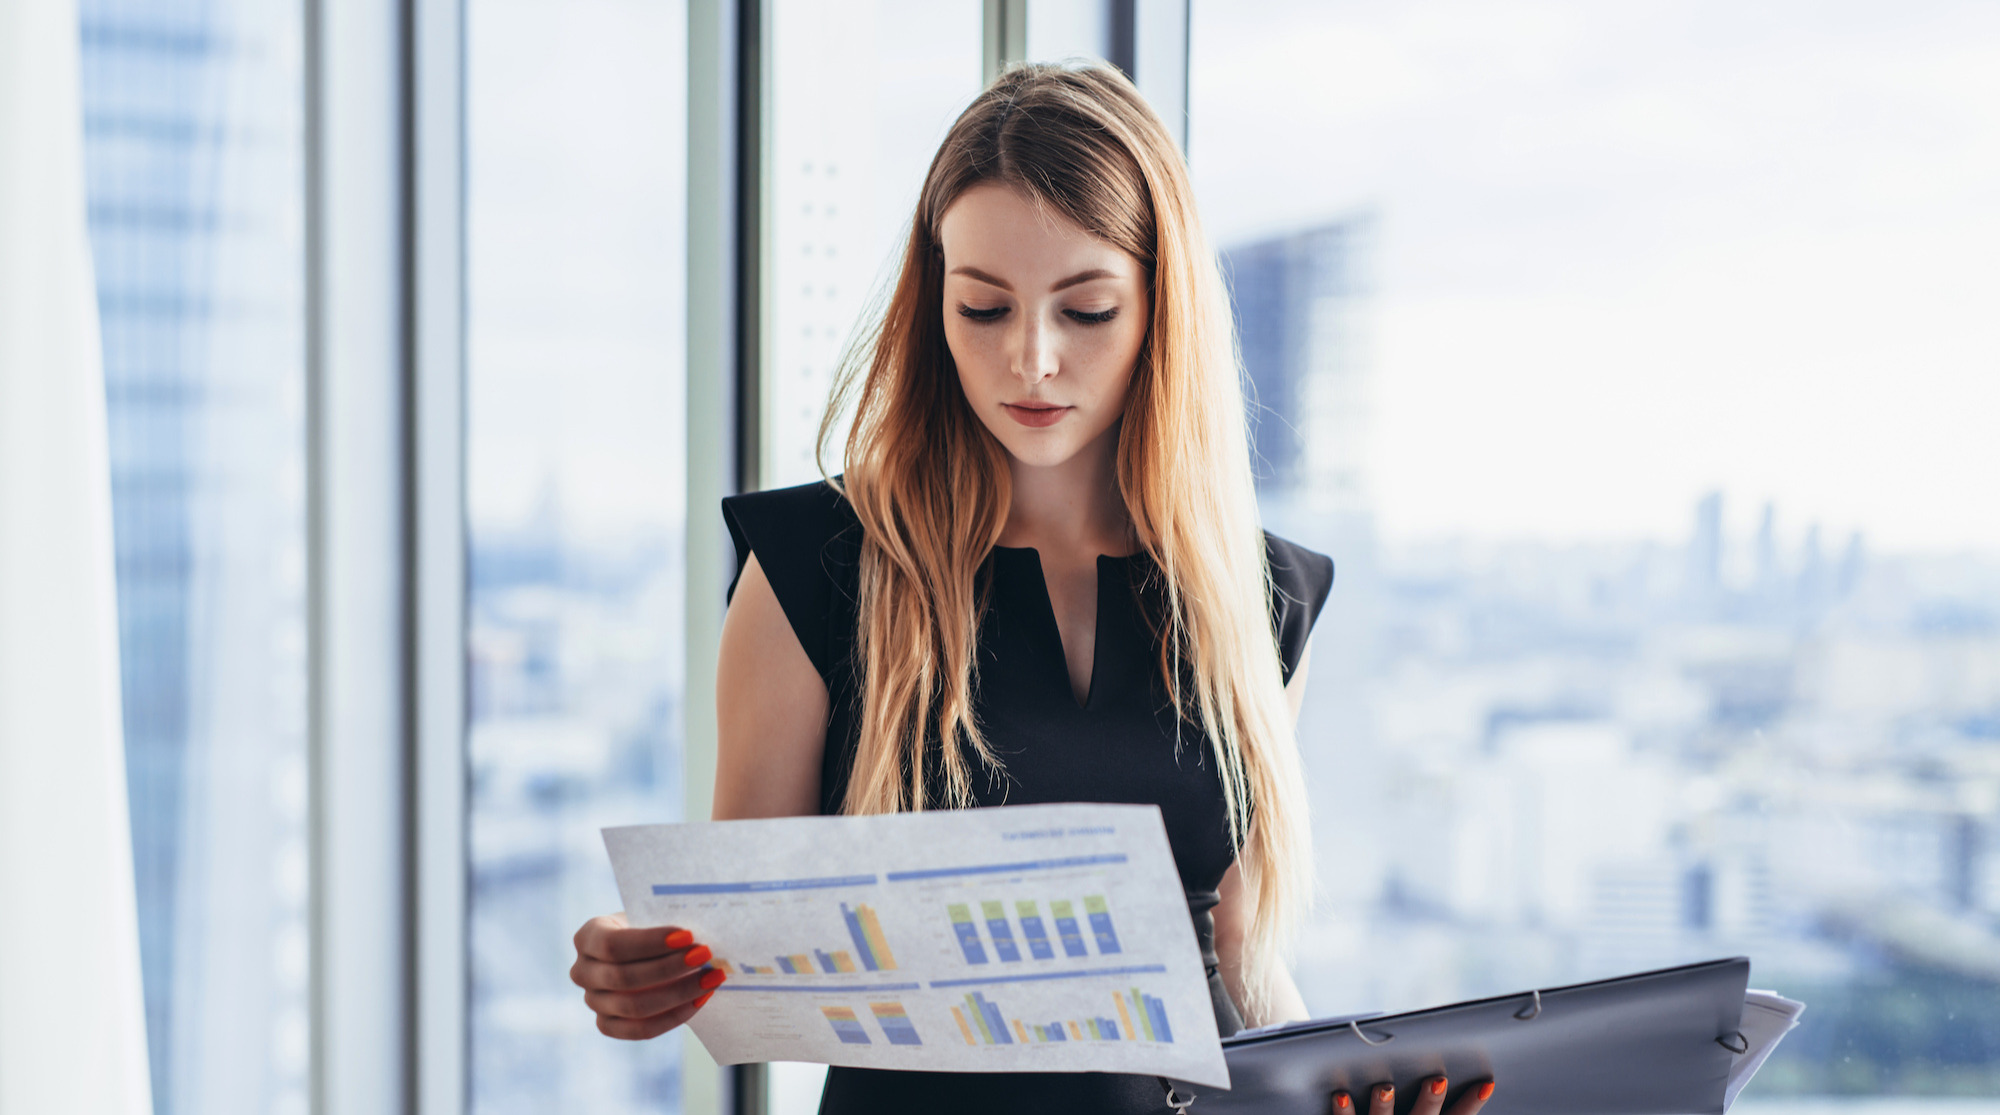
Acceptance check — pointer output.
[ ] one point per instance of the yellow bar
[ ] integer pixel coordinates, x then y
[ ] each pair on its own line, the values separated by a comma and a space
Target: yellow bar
1020, 1031
1125, 1017
842, 962
877, 943
1076, 1031
801, 962
962, 1027
724, 966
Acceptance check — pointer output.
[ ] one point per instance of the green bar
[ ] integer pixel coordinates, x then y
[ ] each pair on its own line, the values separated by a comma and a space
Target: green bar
1139, 1007
1095, 904
960, 912
1061, 908
979, 1019
994, 910
1026, 909
1041, 1033
1093, 1030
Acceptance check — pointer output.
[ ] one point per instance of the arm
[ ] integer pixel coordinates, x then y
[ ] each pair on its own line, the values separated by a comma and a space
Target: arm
1234, 913
771, 709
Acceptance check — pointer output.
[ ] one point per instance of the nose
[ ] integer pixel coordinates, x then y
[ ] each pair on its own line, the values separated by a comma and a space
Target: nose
1035, 357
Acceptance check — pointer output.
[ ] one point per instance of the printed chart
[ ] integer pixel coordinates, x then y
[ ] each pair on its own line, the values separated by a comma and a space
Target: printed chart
1019, 939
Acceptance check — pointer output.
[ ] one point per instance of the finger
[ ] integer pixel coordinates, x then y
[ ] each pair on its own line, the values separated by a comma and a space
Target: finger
1340, 1103
654, 1000
1430, 1095
602, 975
1473, 1099
609, 939
1382, 1100
640, 1029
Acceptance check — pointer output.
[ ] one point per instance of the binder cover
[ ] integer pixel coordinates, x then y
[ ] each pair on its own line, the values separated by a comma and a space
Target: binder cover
1656, 1043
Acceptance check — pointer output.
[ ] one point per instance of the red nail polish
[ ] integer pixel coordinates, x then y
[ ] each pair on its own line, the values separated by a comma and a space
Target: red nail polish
1437, 1086
1340, 1100
713, 978
1386, 1093
679, 939
697, 956
1486, 1091
706, 996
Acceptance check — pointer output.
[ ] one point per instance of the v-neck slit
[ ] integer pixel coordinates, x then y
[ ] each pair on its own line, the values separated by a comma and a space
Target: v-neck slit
1055, 626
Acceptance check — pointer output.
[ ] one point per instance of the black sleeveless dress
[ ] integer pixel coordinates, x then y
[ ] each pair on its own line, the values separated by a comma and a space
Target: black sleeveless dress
1118, 746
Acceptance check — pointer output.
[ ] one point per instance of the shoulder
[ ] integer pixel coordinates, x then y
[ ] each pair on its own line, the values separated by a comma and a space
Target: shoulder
1301, 580
808, 543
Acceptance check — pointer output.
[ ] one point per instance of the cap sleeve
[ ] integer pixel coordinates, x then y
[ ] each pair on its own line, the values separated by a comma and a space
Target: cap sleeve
1300, 582
801, 536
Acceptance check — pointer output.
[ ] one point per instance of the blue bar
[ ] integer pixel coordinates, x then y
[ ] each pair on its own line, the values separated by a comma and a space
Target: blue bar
772, 884
1081, 973
785, 966
860, 938
1072, 937
1108, 1028
1003, 935
899, 1031
1002, 868
825, 961
1061, 1034
851, 1033
994, 1022
1157, 1011
968, 939
1038, 938
1107, 938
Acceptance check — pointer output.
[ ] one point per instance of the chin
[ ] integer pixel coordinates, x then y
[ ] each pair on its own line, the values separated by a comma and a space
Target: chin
1040, 452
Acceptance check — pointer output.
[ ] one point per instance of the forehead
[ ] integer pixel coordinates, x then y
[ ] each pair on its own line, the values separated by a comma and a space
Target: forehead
1002, 231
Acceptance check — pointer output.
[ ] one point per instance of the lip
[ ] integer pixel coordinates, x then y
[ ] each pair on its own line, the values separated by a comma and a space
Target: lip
1036, 414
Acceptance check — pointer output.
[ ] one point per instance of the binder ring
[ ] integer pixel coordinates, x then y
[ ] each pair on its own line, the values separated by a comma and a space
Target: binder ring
1532, 1010
1366, 1040
1740, 1045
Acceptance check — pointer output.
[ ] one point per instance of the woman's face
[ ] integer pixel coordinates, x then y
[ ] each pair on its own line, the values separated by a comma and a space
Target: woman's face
1044, 321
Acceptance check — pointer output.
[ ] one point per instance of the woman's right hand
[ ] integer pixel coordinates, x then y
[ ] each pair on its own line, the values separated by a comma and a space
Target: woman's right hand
641, 982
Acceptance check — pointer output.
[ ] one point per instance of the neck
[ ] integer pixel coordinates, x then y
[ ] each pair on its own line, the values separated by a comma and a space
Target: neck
1073, 507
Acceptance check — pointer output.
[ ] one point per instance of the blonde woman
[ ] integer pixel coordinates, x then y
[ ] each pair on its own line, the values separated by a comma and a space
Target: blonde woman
1040, 577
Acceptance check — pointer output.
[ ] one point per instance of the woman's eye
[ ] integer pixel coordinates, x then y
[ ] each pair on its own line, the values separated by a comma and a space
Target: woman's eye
1098, 318
989, 314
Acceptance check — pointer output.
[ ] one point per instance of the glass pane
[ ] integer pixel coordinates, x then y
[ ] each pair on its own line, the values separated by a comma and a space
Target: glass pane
576, 186
194, 161
1634, 364
862, 94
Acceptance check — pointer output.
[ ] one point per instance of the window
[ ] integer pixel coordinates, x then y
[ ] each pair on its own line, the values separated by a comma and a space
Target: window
1632, 364
194, 162
861, 96
576, 185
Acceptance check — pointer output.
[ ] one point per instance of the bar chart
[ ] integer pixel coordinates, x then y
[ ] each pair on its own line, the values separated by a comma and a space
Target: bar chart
1136, 1016
1006, 944
895, 1023
846, 1025
870, 954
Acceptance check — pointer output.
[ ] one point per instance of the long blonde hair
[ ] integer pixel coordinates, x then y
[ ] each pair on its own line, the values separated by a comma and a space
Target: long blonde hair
931, 485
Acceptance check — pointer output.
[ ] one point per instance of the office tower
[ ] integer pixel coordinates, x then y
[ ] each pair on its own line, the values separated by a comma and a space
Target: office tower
1298, 300
193, 161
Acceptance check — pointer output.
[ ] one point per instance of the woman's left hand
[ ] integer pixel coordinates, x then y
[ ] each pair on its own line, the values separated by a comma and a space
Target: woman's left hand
1430, 1099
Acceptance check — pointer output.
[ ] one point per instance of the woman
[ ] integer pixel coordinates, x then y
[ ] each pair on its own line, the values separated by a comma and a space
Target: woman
1044, 550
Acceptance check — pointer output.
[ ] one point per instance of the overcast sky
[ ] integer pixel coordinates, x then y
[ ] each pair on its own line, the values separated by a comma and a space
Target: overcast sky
1630, 251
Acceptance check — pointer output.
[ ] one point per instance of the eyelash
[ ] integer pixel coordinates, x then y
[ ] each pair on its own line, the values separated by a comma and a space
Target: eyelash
1078, 316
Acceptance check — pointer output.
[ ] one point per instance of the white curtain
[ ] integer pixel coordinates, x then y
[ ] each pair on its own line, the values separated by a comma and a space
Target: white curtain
72, 1027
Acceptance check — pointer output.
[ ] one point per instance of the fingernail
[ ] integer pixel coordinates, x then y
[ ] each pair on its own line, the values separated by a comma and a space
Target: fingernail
706, 996
713, 978
679, 939
697, 956
1437, 1086
1386, 1092
1340, 1100
1486, 1091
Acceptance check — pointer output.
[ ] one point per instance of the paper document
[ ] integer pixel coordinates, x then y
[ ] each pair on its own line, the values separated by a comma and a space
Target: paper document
1033, 938
1767, 1017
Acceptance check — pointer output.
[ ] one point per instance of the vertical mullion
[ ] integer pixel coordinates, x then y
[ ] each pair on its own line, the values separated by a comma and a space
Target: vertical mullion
357, 602
438, 871
717, 396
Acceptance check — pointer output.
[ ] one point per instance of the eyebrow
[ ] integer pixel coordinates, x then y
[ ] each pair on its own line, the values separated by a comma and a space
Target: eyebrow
994, 280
